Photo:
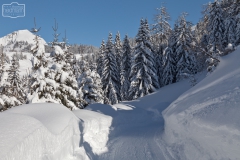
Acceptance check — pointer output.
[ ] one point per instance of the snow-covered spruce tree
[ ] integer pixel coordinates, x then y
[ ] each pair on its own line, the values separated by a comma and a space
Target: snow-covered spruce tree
201, 43
100, 58
69, 56
90, 87
184, 54
161, 29
118, 52
215, 26
143, 73
229, 34
15, 88
42, 88
161, 32
11, 90
110, 78
75, 66
61, 73
169, 71
125, 69
235, 11
55, 36
238, 31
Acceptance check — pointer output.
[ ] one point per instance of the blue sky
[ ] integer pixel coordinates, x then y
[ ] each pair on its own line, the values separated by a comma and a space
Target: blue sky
90, 21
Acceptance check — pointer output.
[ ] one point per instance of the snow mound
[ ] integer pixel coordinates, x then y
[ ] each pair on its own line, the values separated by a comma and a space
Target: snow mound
20, 35
96, 128
39, 131
203, 123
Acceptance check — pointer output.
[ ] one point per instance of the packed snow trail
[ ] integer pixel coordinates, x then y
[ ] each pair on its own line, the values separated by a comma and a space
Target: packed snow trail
137, 126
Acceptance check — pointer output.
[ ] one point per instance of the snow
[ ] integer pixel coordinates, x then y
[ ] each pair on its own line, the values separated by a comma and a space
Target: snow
203, 122
39, 131
57, 50
20, 35
96, 128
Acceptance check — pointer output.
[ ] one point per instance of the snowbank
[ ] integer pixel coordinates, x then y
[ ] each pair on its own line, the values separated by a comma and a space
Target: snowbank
96, 128
39, 131
203, 123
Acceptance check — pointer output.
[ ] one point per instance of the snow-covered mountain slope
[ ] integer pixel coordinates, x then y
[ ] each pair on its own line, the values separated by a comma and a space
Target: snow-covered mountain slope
39, 131
20, 35
203, 123
19, 39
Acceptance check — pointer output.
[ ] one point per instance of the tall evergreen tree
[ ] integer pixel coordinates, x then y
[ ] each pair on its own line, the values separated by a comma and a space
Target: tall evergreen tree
41, 89
169, 71
235, 11
55, 35
143, 74
15, 88
118, 51
100, 58
185, 58
161, 29
12, 93
125, 68
215, 25
110, 79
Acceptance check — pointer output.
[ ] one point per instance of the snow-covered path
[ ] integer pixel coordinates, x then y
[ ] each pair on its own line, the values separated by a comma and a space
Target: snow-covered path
138, 142
137, 126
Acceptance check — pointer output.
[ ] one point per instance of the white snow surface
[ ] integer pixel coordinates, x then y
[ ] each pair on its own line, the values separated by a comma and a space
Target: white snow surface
39, 131
203, 123
20, 35
96, 128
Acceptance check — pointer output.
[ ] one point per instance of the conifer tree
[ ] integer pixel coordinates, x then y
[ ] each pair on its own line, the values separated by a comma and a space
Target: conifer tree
118, 52
235, 11
169, 71
143, 73
11, 90
161, 29
110, 79
15, 88
229, 34
42, 88
90, 87
185, 58
55, 35
125, 69
100, 58
215, 25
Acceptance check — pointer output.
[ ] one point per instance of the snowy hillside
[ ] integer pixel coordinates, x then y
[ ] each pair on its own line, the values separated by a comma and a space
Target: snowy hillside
21, 37
203, 123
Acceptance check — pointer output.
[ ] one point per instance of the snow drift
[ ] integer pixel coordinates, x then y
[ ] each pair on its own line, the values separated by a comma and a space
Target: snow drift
203, 123
96, 128
39, 131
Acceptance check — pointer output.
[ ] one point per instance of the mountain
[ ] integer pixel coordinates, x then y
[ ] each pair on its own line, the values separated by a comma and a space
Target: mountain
19, 39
